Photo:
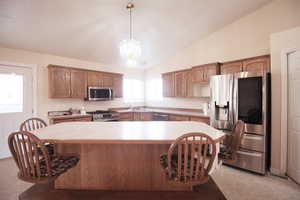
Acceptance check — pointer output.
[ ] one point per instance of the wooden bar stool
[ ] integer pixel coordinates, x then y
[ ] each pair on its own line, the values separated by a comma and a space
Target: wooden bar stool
32, 124
33, 159
228, 153
187, 160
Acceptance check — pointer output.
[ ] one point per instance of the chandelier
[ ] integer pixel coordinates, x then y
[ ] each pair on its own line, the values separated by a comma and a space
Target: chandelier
130, 49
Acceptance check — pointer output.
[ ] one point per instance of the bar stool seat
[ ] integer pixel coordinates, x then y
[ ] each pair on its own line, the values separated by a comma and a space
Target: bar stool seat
58, 165
174, 166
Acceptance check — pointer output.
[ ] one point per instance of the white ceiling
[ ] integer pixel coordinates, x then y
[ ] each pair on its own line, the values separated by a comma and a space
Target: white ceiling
92, 29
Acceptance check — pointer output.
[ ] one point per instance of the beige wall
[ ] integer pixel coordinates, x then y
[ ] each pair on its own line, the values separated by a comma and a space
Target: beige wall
45, 104
246, 37
280, 42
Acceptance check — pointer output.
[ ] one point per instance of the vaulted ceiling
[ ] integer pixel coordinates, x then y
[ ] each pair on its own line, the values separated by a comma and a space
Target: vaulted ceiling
92, 29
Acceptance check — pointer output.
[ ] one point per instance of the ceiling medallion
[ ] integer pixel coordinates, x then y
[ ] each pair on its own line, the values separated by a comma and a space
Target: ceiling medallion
130, 49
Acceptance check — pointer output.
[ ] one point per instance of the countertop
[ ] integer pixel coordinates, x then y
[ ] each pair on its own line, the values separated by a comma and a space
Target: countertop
69, 116
167, 111
157, 132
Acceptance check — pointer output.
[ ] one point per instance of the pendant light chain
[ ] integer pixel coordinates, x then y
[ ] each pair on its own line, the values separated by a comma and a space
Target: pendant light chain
130, 11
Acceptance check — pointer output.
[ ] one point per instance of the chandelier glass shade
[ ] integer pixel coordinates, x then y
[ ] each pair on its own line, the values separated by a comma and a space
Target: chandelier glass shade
130, 49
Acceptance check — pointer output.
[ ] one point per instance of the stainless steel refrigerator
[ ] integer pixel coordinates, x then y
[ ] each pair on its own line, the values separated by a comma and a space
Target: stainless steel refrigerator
244, 96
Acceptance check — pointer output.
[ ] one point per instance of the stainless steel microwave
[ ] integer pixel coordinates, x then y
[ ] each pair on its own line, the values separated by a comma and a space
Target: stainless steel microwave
99, 93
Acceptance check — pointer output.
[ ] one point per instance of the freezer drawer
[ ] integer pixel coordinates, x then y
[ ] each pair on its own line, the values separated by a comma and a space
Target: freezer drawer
253, 142
250, 160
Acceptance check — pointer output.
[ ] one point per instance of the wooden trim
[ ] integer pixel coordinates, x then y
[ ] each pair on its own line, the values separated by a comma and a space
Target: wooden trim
245, 59
89, 70
208, 64
284, 112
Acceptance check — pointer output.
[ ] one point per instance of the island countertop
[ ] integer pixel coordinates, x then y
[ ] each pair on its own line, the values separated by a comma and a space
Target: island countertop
158, 132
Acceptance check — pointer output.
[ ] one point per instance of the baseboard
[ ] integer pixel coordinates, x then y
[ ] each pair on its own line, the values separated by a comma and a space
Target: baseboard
6, 158
277, 172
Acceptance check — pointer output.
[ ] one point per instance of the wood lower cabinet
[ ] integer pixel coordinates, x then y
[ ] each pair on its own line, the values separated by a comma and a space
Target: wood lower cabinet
231, 67
78, 84
65, 82
86, 118
59, 82
173, 117
142, 116
168, 84
200, 119
126, 116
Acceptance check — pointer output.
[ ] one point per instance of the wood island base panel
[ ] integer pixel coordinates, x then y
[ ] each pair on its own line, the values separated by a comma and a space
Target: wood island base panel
117, 167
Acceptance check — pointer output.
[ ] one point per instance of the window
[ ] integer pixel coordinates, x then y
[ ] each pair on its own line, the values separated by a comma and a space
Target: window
11, 93
133, 90
154, 89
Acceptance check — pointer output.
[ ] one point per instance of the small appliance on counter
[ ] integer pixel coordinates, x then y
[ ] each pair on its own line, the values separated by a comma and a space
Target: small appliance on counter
244, 96
105, 115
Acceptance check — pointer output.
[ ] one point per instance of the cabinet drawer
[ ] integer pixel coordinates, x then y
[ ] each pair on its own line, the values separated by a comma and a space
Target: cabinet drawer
200, 119
78, 119
179, 118
250, 160
253, 142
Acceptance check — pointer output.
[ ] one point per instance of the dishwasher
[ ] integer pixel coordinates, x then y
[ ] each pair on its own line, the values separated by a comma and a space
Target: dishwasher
160, 117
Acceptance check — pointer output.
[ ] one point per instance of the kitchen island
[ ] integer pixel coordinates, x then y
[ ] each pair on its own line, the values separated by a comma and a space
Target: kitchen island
119, 155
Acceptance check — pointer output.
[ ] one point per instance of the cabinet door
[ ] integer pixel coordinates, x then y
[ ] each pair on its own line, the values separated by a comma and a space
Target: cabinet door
200, 119
231, 67
128, 116
78, 83
59, 82
189, 82
118, 85
146, 116
137, 116
179, 118
210, 70
107, 80
181, 84
168, 84
198, 74
261, 64
94, 79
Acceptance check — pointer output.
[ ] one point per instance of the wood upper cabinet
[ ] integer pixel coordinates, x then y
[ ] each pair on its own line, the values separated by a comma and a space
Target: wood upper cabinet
67, 82
107, 80
94, 79
59, 82
168, 84
78, 83
231, 67
202, 73
181, 83
258, 64
118, 85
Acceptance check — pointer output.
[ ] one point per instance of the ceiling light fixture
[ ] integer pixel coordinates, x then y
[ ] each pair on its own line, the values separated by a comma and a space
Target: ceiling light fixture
130, 49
